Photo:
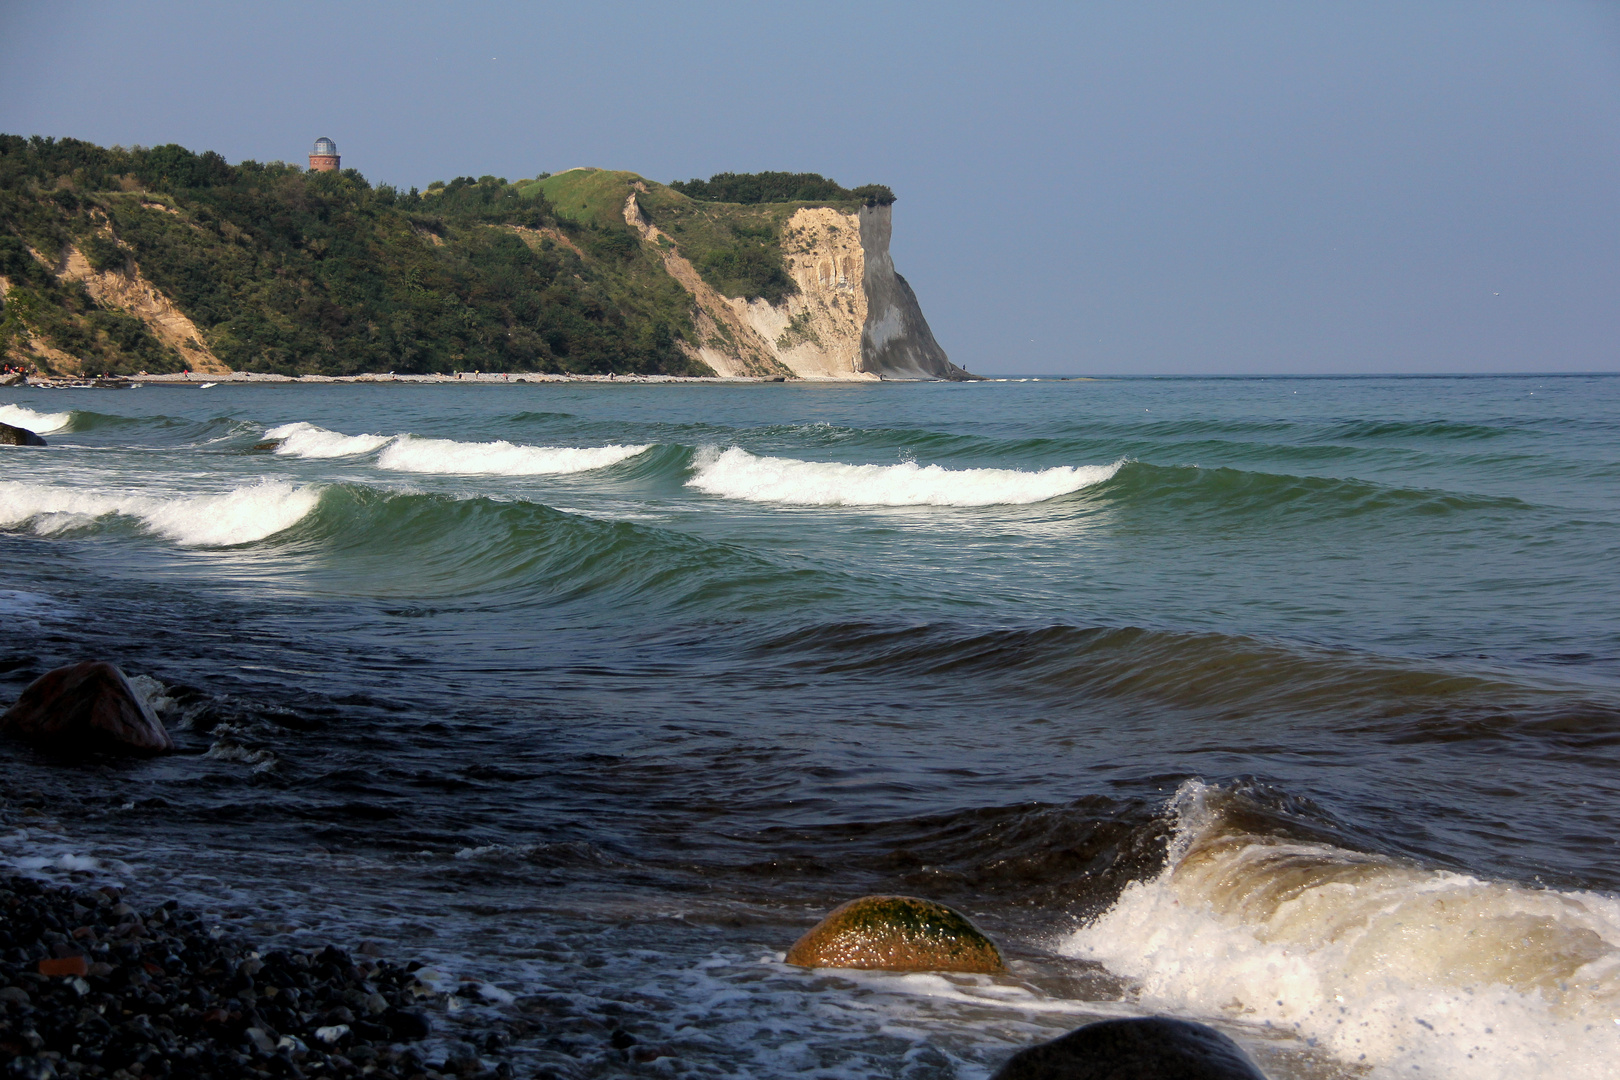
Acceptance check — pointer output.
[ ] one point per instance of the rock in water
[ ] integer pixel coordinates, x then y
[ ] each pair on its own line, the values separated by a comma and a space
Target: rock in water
896, 933
88, 706
1150, 1048
18, 436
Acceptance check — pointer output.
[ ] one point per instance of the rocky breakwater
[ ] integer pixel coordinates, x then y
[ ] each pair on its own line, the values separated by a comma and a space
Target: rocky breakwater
16, 436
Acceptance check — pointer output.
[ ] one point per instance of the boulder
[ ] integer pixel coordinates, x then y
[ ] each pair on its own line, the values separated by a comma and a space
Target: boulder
89, 706
896, 933
1149, 1048
18, 436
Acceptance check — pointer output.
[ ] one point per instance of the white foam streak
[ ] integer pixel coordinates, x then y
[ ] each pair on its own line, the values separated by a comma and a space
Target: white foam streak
308, 441
37, 422
234, 517
737, 474
446, 456
1408, 970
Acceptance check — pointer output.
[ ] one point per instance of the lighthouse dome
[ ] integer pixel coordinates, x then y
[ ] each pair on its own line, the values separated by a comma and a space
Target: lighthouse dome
324, 147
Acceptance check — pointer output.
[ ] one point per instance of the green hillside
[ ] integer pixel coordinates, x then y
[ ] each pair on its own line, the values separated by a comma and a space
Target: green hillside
283, 270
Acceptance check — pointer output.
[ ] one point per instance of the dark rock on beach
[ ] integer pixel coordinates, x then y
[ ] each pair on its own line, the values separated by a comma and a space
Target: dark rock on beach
896, 933
92, 987
18, 436
88, 707
1149, 1048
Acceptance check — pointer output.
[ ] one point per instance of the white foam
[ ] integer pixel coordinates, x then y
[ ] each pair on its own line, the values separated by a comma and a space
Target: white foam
14, 603
737, 474
1407, 970
412, 454
308, 441
37, 422
240, 516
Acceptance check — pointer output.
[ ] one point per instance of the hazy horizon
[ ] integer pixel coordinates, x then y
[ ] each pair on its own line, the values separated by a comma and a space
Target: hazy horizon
1254, 189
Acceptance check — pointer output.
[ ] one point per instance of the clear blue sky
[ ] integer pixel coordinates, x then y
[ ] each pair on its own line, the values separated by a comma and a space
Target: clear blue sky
1104, 187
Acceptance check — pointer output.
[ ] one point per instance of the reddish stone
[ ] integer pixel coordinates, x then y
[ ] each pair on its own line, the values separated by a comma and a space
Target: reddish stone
67, 965
85, 707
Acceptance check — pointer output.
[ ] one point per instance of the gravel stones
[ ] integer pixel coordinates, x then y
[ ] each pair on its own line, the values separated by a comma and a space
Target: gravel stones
161, 996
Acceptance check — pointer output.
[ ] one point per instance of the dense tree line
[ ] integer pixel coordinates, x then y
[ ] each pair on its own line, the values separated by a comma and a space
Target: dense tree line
761, 187
293, 271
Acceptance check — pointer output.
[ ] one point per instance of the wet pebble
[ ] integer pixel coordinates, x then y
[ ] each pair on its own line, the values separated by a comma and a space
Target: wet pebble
155, 994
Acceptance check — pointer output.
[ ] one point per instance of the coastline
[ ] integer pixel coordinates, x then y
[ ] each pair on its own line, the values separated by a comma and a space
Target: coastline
485, 378
465, 378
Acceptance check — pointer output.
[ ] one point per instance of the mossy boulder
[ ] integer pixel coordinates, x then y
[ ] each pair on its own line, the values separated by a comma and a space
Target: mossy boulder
1144, 1048
896, 933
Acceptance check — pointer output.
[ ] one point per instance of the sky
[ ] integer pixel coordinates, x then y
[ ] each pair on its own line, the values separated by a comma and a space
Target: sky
1084, 188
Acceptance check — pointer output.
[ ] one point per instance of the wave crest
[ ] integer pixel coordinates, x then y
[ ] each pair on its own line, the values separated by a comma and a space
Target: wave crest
37, 422
240, 516
1381, 961
308, 441
408, 453
734, 473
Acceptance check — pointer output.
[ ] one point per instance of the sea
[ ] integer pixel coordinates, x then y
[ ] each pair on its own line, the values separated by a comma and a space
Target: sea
1287, 705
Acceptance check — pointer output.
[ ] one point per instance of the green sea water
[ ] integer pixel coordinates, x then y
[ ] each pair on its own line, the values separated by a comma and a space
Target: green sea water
1285, 704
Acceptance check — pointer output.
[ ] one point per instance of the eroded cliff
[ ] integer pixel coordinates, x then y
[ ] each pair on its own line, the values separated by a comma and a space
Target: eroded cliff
838, 311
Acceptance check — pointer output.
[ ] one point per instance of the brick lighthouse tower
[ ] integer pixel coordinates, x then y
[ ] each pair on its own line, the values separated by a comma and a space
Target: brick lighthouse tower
324, 158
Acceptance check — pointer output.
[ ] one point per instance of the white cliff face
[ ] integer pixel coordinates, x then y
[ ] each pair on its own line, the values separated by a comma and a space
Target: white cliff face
896, 342
852, 318
817, 332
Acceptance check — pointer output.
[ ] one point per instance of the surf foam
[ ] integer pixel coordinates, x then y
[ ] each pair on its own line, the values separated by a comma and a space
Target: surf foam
240, 516
308, 441
736, 474
1407, 970
409, 453
37, 422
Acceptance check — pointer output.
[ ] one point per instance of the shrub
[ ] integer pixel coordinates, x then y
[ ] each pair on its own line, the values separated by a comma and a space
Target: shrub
750, 188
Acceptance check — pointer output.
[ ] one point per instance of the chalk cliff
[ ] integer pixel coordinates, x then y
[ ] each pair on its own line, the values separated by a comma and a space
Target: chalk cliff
852, 316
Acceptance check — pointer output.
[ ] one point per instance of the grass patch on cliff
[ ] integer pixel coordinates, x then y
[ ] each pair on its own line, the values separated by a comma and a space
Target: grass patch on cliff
737, 249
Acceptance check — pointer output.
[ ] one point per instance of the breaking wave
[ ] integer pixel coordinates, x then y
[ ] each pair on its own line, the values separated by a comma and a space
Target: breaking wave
1380, 961
308, 441
240, 516
408, 453
37, 422
734, 473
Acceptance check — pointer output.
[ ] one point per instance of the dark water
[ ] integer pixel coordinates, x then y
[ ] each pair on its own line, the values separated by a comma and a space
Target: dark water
1288, 704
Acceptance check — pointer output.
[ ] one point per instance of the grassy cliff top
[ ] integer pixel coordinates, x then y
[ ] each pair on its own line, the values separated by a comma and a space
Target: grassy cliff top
735, 245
